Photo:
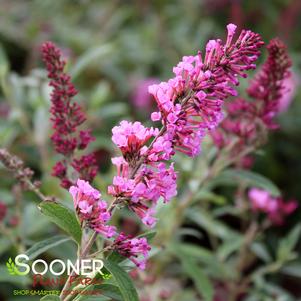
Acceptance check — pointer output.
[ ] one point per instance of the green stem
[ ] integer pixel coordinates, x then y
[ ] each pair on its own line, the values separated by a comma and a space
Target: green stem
83, 255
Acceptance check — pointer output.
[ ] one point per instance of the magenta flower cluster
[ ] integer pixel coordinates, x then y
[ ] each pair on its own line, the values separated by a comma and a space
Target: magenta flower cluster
151, 181
67, 116
93, 212
133, 248
247, 120
91, 209
189, 105
275, 207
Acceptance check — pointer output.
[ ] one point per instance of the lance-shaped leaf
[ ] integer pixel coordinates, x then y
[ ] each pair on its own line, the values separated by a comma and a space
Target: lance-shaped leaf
44, 245
123, 281
63, 217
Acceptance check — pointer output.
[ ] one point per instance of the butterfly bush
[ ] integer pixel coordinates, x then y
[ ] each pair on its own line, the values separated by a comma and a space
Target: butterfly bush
196, 109
67, 116
189, 106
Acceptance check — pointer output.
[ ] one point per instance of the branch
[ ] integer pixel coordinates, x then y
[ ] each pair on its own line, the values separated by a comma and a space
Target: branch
23, 174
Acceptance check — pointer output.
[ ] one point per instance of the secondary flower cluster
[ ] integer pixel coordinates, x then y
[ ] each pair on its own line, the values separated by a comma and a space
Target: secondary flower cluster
143, 191
66, 117
132, 248
276, 208
93, 211
247, 121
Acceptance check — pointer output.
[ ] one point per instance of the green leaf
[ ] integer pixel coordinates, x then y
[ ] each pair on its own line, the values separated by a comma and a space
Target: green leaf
261, 251
89, 57
213, 226
113, 110
116, 257
226, 210
4, 63
51, 298
287, 244
211, 197
7, 277
44, 245
229, 247
148, 235
99, 96
192, 251
231, 176
123, 281
63, 217
200, 280
293, 269
186, 231
213, 265
107, 290
93, 298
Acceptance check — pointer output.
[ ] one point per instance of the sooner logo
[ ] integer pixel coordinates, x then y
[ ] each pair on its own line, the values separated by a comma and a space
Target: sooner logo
57, 267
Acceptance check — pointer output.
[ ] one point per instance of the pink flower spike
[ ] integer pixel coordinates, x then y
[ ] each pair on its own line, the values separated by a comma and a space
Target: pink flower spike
66, 117
211, 81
